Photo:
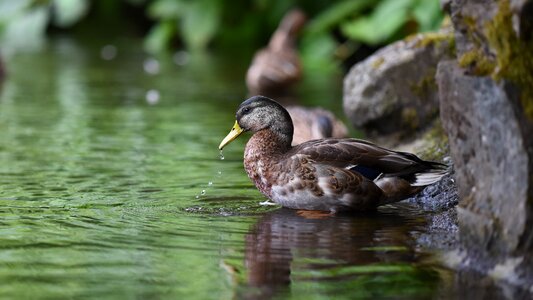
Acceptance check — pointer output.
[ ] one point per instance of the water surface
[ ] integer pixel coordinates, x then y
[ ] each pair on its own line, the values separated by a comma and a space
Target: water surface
111, 186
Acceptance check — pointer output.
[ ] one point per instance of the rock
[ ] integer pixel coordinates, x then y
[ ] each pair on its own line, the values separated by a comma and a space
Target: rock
395, 88
439, 197
441, 232
487, 110
491, 159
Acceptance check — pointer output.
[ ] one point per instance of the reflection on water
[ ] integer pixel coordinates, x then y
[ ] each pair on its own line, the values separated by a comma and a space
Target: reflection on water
289, 251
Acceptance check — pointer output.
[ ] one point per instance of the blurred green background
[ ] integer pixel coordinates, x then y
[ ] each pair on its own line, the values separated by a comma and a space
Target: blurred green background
337, 31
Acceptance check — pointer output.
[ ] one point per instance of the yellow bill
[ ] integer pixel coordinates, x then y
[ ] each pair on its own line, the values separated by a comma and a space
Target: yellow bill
233, 134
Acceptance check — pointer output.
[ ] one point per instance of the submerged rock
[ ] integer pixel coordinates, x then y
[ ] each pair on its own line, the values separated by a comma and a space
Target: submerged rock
394, 89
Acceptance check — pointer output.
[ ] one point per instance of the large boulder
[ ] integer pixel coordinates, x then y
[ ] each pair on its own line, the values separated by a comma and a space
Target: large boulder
394, 90
490, 152
486, 103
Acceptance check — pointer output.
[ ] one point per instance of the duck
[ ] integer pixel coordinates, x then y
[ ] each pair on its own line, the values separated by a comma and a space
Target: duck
333, 174
277, 66
312, 123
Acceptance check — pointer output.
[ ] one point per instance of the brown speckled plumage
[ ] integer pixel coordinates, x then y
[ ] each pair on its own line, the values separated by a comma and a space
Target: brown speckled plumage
328, 174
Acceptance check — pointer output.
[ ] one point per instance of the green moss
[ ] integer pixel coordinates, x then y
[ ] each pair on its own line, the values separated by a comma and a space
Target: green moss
514, 57
425, 85
432, 38
410, 118
451, 46
470, 22
507, 57
477, 62
471, 27
436, 146
378, 62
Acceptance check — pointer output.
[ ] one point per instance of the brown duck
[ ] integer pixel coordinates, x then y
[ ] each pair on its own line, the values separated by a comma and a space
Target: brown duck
277, 66
314, 123
327, 174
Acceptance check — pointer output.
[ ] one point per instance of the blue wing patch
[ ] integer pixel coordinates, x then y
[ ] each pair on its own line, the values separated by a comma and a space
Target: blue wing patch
366, 172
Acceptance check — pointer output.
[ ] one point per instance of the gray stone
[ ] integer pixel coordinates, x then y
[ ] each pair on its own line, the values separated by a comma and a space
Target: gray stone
491, 159
469, 18
487, 111
395, 89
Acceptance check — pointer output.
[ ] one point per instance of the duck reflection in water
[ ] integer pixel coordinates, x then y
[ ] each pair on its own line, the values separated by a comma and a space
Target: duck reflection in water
284, 241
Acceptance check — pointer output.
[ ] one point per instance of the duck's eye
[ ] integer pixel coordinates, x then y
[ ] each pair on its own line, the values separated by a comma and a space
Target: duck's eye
246, 110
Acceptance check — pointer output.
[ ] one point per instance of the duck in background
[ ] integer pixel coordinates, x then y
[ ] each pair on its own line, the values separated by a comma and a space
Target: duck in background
314, 123
275, 68
278, 66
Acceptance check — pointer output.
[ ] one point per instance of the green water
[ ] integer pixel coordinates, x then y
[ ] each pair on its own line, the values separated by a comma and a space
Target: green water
104, 194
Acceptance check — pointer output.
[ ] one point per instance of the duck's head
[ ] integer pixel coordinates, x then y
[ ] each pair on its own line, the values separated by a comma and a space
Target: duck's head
261, 113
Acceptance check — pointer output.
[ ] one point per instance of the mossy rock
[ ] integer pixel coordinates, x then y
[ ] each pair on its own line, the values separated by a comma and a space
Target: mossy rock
394, 90
497, 50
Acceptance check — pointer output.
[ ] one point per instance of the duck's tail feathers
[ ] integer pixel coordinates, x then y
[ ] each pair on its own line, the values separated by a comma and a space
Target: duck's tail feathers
396, 188
431, 175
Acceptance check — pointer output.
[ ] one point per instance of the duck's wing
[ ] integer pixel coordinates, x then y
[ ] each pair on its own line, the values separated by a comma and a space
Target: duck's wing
368, 159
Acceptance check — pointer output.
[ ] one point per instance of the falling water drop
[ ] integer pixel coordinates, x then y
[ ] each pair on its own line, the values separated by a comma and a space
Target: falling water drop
221, 155
210, 183
202, 193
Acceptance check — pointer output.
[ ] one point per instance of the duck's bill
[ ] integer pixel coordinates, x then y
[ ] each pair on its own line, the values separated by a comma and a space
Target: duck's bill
233, 134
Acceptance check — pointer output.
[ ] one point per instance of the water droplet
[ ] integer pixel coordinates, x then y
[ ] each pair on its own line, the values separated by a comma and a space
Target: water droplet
210, 183
202, 193
152, 97
151, 66
221, 155
219, 172
197, 196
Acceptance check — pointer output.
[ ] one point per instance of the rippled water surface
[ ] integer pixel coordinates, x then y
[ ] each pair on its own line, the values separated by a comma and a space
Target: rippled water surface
111, 186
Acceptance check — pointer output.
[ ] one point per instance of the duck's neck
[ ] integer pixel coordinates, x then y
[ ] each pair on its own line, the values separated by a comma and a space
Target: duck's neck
261, 158
267, 143
284, 37
281, 40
